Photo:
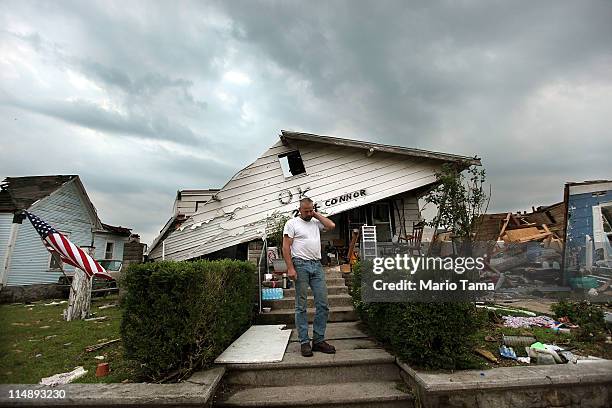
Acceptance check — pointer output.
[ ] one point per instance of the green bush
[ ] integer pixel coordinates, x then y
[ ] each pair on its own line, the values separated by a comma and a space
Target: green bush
588, 316
428, 335
179, 316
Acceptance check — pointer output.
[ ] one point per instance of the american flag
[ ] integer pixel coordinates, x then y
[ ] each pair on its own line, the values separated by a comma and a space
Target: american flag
69, 253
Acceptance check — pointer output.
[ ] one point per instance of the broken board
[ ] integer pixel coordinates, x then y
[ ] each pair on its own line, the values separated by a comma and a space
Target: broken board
524, 234
259, 344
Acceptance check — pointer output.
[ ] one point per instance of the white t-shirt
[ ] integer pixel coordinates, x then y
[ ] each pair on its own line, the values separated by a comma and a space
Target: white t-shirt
306, 237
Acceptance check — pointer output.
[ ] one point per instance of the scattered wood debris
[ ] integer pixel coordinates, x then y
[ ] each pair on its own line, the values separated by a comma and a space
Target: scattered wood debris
100, 345
107, 306
91, 319
487, 354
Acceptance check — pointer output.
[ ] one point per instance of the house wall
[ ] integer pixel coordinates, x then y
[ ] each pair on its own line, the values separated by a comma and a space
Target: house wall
6, 221
191, 201
580, 223
405, 209
100, 240
65, 210
260, 189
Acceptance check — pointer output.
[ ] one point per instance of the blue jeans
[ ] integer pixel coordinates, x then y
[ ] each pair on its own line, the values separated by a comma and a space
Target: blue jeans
310, 273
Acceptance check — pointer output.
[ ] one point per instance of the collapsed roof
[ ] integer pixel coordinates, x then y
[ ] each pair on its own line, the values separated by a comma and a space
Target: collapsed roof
329, 170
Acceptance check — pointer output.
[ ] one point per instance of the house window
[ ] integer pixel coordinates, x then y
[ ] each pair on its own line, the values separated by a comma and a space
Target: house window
381, 218
55, 263
292, 164
108, 254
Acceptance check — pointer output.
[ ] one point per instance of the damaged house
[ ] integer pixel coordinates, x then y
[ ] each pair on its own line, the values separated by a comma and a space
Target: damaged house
589, 229
354, 182
28, 271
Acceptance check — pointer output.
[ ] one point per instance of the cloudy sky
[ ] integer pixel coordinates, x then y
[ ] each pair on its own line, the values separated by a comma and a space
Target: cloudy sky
143, 98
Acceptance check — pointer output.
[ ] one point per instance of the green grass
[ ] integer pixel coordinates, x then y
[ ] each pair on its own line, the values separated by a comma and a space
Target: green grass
36, 329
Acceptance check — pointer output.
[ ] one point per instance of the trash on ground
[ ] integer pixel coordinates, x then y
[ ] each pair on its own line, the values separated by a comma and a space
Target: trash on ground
507, 352
486, 354
490, 339
56, 303
548, 349
515, 341
102, 370
64, 378
526, 322
568, 356
525, 360
96, 318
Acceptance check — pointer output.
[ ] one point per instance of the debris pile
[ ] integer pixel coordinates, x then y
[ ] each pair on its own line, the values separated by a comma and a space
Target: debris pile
524, 250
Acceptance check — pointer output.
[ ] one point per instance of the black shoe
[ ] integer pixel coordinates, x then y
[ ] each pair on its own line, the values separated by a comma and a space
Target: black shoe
323, 347
306, 350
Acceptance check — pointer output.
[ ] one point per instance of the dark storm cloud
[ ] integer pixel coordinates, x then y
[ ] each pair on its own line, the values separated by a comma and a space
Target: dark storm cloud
89, 115
148, 85
416, 59
184, 95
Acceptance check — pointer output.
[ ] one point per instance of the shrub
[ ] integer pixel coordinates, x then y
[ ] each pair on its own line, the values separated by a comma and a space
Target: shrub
179, 316
589, 317
430, 335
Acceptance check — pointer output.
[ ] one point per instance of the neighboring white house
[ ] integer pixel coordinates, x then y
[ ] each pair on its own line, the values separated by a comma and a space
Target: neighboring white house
62, 202
352, 181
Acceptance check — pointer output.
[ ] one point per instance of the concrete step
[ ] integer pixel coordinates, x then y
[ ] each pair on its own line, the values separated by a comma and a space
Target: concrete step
340, 344
287, 316
331, 290
345, 366
289, 302
356, 394
334, 281
333, 274
338, 331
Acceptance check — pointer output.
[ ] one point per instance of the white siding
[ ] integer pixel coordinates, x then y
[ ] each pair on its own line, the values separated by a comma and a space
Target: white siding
65, 211
6, 219
190, 200
253, 193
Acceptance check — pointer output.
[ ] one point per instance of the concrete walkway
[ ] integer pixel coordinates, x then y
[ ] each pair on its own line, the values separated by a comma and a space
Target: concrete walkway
360, 374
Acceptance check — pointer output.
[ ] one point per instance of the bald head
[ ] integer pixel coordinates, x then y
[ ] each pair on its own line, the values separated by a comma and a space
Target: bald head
306, 209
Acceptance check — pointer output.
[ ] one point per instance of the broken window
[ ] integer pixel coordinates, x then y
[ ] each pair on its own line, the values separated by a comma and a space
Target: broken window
108, 254
381, 218
291, 163
55, 262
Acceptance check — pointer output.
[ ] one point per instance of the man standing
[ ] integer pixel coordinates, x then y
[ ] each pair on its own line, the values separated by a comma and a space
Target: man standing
302, 253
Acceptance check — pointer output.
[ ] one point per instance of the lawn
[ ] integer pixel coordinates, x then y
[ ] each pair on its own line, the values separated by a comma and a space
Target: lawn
36, 342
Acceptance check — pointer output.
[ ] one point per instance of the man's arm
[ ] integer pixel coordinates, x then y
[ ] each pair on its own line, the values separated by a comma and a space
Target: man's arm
327, 223
287, 241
